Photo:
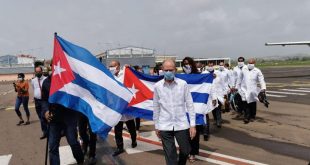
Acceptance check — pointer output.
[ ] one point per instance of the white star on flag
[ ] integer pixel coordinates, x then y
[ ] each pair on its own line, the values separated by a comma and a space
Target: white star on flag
133, 90
58, 69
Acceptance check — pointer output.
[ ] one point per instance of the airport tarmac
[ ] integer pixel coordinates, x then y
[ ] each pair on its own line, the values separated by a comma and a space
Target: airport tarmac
280, 135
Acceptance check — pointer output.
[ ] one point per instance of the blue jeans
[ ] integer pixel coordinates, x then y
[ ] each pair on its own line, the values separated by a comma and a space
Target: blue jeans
70, 129
22, 100
38, 107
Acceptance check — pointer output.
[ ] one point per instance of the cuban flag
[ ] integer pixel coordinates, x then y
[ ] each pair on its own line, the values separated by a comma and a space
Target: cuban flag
142, 87
80, 82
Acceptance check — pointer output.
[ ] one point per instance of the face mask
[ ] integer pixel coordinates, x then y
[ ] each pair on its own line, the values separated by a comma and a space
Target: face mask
39, 75
240, 64
169, 75
20, 79
221, 68
112, 70
199, 69
160, 72
210, 69
251, 66
187, 69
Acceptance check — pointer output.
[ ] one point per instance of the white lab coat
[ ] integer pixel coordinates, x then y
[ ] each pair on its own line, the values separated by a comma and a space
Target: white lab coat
236, 73
231, 78
212, 95
227, 80
247, 84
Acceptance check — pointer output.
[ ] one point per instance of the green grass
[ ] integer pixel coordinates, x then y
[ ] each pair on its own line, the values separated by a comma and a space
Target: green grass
289, 63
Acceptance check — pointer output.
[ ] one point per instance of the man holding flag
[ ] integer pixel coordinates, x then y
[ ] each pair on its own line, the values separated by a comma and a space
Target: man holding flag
172, 99
75, 86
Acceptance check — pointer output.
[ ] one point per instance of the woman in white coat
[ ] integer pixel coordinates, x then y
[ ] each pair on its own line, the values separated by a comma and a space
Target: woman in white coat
248, 89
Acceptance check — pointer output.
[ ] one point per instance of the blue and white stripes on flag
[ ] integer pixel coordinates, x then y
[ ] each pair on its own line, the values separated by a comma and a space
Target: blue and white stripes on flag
94, 91
200, 86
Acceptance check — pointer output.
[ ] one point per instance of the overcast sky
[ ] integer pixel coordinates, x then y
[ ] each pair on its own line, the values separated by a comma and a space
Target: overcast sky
198, 28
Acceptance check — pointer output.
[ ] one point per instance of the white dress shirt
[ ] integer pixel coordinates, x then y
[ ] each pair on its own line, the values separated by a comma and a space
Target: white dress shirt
120, 78
171, 102
36, 87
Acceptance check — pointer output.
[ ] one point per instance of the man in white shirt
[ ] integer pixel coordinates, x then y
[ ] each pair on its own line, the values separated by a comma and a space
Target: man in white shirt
36, 83
114, 68
247, 82
226, 84
236, 73
172, 100
213, 96
231, 81
218, 91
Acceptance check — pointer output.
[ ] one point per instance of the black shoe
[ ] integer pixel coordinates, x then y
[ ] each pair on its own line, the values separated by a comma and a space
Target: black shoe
206, 137
92, 161
43, 136
27, 123
246, 121
219, 125
20, 122
134, 145
251, 120
118, 151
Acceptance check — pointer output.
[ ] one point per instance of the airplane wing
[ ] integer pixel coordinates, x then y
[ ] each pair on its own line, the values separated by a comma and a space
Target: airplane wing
288, 43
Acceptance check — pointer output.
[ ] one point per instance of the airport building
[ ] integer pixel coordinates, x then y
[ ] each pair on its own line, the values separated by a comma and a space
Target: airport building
143, 57
11, 65
10, 74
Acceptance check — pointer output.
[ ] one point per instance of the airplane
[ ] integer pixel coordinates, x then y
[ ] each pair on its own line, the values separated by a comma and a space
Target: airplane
288, 43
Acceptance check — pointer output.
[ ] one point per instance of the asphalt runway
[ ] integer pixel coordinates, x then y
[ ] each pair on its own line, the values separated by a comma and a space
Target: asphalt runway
280, 134
288, 84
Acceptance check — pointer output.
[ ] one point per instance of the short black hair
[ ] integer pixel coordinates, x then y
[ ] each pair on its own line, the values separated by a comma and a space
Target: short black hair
22, 75
241, 58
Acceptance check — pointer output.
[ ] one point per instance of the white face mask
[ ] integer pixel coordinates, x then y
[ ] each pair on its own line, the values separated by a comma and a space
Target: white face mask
240, 64
20, 79
187, 69
112, 70
160, 72
210, 69
251, 66
221, 68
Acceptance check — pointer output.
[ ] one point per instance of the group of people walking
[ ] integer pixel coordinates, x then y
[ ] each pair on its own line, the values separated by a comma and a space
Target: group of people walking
172, 101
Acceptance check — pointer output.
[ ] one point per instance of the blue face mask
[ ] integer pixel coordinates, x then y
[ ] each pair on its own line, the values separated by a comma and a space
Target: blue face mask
169, 75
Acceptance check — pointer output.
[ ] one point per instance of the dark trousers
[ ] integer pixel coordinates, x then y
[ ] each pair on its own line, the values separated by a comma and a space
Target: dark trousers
250, 111
206, 128
38, 107
170, 149
217, 114
243, 107
71, 135
119, 132
195, 141
22, 100
138, 121
89, 138
227, 105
